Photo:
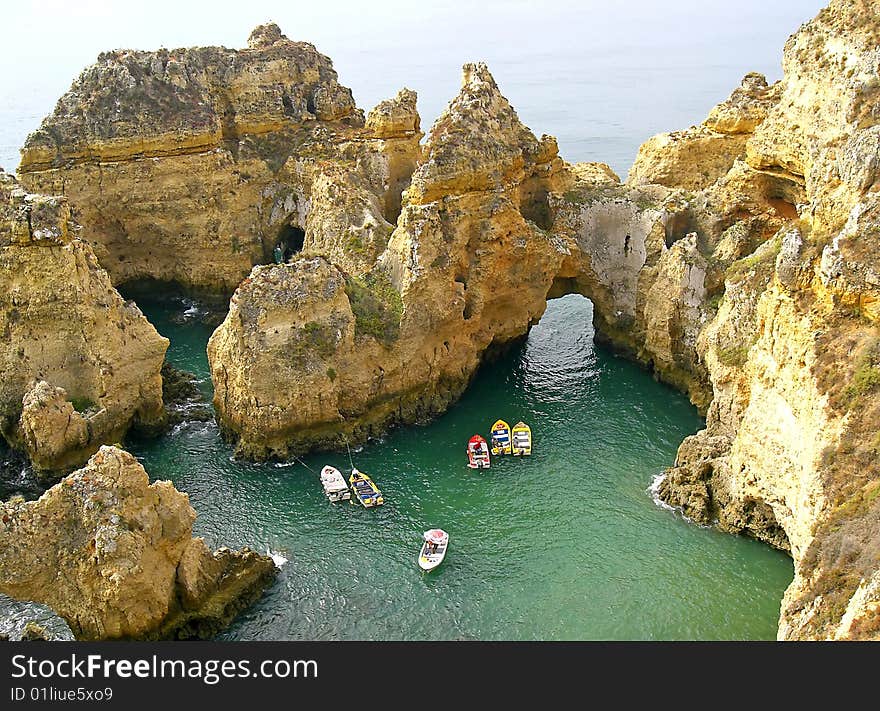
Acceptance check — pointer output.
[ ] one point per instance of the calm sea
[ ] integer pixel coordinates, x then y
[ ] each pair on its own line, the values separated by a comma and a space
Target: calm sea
602, 77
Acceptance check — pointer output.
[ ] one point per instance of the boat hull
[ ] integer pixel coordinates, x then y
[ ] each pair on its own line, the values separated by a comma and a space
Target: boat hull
365, 490
478, 453
521, 440
500, 438
430, 562
334, 484
478, 465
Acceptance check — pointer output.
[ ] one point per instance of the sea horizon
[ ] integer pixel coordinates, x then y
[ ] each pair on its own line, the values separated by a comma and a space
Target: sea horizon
568, 71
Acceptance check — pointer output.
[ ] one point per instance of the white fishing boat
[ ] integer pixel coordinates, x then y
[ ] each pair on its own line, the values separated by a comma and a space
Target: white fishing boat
433, 549
335, 485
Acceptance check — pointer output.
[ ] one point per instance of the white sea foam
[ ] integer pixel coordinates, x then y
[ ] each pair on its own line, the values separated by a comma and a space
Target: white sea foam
654, 491
279, 560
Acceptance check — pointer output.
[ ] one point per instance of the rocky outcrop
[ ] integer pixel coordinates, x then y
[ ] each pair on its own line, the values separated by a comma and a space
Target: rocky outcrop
468, 266
697, 157
114, 556
79, 364
50, 426
191, 165
738, 261
29, 621
789, 451
492, 224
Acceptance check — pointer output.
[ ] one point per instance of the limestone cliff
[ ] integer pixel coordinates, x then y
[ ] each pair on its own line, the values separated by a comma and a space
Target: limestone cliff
699, 156
468, 266
738, 261
789, 454
190, 165
79, 365
114, 556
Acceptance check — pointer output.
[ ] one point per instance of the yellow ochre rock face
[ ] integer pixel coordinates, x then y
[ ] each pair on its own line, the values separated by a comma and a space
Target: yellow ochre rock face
695, 158
738, 261
464, 267
114, 556
79, 364
789, 454
194, 164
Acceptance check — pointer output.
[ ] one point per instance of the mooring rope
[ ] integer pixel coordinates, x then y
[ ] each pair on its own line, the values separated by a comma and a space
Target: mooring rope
350, 461
305, 465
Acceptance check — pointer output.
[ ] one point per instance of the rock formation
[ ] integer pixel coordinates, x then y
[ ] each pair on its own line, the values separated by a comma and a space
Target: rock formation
493, 223
79, 364
737, 261
30, 621
190, 165
469, 265
789, 454
114, 556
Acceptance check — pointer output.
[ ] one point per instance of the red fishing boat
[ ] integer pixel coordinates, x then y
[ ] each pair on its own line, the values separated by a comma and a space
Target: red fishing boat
478, 453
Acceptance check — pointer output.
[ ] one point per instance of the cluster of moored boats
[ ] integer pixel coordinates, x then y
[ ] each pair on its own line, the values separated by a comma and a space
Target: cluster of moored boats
338, 489
365, 491
504, 440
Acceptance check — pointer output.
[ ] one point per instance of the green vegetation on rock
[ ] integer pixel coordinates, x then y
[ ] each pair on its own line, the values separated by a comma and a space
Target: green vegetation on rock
734, 356
866, 377
84, 404
763, 259
376, 305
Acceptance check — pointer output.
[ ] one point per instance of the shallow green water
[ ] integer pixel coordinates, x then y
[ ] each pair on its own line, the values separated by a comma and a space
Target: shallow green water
567, 544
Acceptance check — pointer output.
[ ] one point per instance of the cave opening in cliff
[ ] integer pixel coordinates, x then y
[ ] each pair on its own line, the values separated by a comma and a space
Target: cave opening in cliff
290, 242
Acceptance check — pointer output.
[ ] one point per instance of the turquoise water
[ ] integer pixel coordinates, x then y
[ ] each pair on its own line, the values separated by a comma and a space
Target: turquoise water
567, 544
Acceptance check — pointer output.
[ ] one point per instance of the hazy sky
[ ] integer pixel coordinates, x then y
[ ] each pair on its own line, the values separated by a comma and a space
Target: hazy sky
557, 61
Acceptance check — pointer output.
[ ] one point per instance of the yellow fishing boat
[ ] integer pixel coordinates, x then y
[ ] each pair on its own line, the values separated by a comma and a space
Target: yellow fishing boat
500, 438
522, 439
365, 490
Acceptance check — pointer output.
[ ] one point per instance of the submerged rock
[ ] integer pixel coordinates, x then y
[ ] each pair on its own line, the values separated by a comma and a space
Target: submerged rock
114, 556
184, 401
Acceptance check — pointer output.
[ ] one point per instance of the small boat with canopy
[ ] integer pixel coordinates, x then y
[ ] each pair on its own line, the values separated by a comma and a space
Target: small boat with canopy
335, 486
501, 438
478, 453
522, 440
436, 542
